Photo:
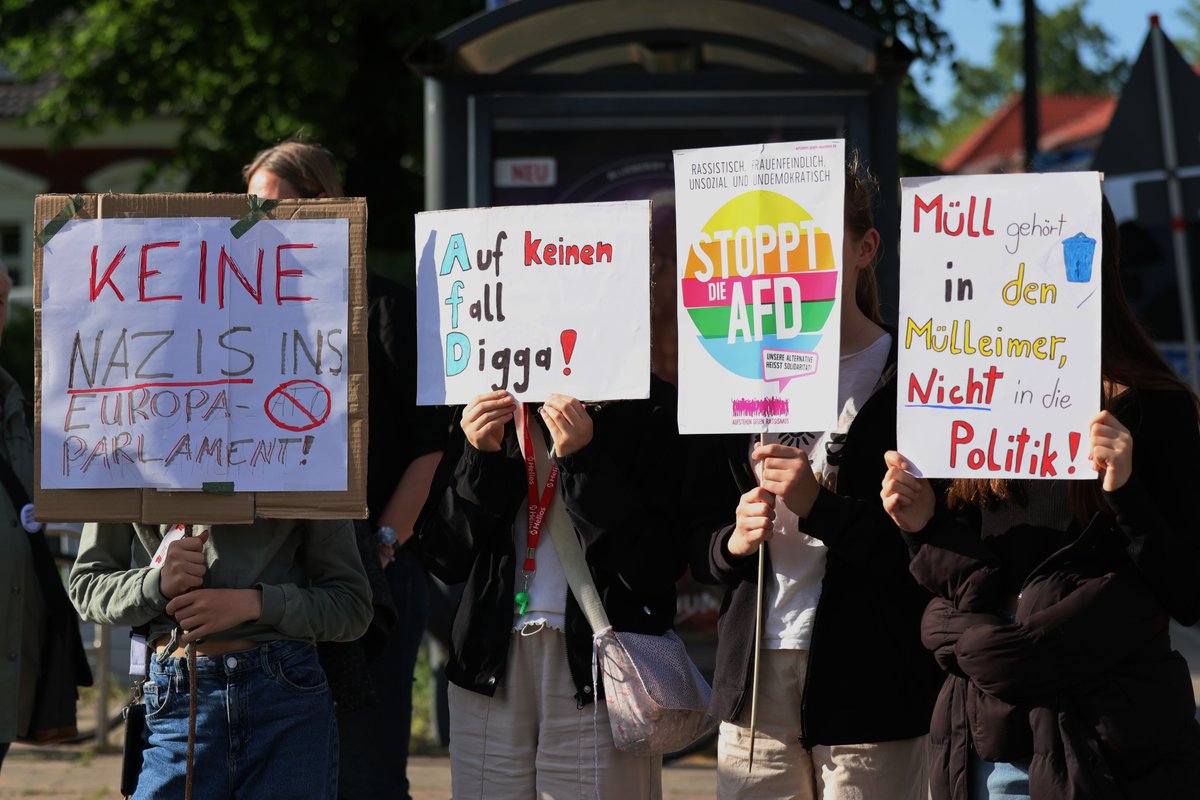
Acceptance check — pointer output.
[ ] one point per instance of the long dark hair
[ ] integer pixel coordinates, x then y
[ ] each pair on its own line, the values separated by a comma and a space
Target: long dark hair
862, 190
1128, 358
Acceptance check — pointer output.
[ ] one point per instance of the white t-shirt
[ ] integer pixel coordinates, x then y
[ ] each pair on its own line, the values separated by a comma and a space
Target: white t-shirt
797, 559
548, 584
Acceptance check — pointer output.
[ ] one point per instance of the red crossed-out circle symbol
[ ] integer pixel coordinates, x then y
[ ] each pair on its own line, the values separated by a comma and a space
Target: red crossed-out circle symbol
307, 401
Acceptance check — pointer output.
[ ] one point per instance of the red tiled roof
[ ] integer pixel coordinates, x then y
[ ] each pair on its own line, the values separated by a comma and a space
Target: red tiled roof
1000, 137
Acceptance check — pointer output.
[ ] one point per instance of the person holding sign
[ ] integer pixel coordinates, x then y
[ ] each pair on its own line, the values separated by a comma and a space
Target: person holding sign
523, 716
846, 689
372, 676
1053, 597
251, 600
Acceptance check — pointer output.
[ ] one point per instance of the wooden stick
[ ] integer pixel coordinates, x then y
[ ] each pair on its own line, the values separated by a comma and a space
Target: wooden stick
758, 615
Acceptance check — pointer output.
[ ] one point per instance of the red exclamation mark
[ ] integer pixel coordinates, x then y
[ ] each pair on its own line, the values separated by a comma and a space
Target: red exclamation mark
308, 443
567, 338
1073, 441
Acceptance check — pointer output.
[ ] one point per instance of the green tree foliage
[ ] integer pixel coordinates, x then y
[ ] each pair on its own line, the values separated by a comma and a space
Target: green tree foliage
1074, 57
242, 76
1188, 40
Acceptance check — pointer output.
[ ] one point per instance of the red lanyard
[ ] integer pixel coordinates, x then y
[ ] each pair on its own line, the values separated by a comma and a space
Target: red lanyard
537, 511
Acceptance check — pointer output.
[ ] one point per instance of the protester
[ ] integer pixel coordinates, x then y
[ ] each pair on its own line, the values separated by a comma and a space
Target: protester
38, 628
846, 687
522, 718
251, 600
21, 607
1053, 597
372, 677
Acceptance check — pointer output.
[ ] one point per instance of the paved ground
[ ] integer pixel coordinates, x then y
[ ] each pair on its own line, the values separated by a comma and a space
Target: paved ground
75, 773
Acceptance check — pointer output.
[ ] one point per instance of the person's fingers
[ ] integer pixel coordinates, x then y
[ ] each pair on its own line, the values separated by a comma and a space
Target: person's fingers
1106, 432
765, 451
1109, 419
759, 495
181, 603
487, 416
191, 568
902, 478
486, 403
189, 618
563, 402
493, 397
190, 544
779, 470
576, 411
892, 489
199, 633
491, 429
896, 460
551, 418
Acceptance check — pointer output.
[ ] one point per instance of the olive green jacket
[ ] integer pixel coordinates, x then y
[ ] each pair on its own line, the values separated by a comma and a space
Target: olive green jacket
310, 573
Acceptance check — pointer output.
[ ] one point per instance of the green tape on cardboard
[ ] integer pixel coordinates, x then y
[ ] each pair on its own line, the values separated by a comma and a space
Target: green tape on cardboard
74, 206
217, 487
259, 209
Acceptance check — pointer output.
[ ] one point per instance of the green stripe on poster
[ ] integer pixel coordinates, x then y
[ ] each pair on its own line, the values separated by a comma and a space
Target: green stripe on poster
713, 322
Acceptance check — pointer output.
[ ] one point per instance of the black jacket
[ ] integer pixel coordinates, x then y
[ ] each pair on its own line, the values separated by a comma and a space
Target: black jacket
1083, 684
869, 678
622, 494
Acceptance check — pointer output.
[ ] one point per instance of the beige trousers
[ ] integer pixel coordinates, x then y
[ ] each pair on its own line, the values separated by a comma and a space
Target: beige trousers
530, 740
784, 769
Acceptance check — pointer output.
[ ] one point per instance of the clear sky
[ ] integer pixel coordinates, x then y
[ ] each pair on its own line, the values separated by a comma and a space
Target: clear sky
972, 25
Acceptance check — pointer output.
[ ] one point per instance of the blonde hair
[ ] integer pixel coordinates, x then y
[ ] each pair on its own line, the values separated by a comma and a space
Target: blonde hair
307, 167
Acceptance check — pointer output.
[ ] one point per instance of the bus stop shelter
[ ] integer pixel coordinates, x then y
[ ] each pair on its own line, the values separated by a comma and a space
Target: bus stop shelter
557, 101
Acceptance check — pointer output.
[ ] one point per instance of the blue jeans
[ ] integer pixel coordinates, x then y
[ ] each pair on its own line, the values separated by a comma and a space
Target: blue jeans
998, 780
264, 726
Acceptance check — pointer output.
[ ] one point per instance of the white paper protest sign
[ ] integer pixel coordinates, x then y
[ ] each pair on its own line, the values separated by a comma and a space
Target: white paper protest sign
534, 300
174, 355
759, 237
999, 353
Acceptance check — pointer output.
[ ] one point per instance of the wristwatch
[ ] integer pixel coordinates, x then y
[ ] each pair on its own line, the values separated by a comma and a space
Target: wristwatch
387, 537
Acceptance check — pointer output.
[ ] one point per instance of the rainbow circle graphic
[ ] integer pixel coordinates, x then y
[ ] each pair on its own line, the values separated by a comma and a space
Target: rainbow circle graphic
799, 266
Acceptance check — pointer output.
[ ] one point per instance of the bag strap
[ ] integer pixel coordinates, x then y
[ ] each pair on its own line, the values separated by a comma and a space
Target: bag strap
571, 559
579, 577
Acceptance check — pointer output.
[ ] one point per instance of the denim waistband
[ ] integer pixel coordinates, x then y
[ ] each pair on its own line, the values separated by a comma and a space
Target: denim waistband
265, 657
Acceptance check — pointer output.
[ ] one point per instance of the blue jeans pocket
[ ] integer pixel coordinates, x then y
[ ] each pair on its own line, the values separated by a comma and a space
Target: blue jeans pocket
302, 675
156, 695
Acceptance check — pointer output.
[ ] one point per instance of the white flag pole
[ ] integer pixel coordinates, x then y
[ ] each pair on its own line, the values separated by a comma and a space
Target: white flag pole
758, 615
1174, 199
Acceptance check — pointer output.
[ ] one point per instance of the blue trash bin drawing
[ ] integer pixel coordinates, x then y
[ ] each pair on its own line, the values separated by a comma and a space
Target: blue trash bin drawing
1078, 252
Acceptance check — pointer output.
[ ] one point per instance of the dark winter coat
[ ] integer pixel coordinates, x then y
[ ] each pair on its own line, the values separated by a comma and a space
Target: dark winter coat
1083, 684
621, 492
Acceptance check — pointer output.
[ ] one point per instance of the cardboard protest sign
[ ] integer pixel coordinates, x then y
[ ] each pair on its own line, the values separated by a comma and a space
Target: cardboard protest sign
999, 353
759, 237
534, 300
177, 360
